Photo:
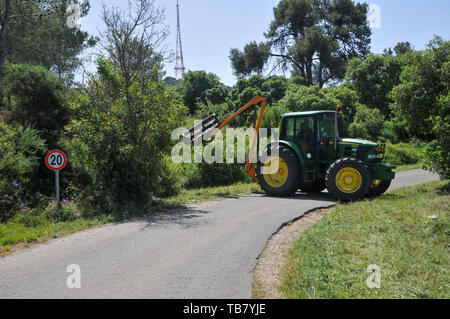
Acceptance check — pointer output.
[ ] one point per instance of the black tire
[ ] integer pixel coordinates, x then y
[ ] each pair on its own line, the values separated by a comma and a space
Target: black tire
380, 188
314, 187
290, 187
336, 167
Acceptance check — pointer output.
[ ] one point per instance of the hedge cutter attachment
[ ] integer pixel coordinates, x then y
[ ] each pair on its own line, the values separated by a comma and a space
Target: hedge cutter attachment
207, 128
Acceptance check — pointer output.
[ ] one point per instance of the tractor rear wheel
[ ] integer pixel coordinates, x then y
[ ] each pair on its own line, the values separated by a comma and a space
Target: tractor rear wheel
279, 175
379, 187
348, 179
314, 187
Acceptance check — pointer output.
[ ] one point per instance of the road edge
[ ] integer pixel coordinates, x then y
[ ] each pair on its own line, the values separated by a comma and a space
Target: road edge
266, 276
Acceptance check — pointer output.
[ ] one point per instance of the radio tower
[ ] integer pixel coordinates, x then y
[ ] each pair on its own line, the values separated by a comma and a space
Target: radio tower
179, 66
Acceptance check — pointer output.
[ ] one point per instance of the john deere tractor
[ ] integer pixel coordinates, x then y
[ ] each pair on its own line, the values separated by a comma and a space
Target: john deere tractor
311, 156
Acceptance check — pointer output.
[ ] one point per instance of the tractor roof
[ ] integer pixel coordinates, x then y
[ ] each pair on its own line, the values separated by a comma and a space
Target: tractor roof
296, 114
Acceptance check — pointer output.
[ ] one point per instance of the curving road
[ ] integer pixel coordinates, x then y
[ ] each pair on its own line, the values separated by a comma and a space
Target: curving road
206, 251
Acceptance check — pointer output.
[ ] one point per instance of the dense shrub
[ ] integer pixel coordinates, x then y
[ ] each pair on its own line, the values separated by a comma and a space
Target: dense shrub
423, 100
119, 138
197, 86
216, 174
367, 123
438, 159
19, 149
170, 178
402, 153
395, 131
35, 96
221, 110
272, 116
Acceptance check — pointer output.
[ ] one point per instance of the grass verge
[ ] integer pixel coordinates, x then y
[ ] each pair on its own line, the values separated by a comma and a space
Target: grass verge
191, 196
25, 229
394, 231
408, 167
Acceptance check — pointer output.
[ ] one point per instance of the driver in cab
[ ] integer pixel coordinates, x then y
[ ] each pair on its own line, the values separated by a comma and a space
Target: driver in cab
305, 137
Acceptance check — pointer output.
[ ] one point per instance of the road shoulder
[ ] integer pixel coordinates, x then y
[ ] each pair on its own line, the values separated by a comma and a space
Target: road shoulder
267, 277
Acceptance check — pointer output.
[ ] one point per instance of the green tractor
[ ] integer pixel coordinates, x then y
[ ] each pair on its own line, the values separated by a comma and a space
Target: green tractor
311, 156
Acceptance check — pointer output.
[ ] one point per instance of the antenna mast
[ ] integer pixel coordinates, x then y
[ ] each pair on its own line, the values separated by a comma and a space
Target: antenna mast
179, 66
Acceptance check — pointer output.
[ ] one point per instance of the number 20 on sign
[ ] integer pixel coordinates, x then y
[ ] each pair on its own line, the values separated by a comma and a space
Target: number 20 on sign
56, 161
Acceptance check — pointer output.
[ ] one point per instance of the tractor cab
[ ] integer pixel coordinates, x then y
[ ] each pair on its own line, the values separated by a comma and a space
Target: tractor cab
312, 132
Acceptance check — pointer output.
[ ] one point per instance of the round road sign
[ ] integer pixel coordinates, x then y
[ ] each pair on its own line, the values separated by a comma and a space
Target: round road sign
56, 160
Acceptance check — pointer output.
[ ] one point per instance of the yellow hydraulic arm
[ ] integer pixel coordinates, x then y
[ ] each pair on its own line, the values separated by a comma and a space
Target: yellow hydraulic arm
211, 125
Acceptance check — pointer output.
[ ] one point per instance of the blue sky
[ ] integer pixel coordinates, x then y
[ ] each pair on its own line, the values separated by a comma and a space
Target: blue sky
211, 27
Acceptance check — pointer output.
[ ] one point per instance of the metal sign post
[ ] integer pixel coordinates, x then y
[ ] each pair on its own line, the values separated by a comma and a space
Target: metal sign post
56, 161
58, 200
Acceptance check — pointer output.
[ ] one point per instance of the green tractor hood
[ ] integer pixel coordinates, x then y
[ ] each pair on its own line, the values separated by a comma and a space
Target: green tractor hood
357, 142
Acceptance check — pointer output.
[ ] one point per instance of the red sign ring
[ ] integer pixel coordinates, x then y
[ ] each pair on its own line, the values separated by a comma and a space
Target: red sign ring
53, 163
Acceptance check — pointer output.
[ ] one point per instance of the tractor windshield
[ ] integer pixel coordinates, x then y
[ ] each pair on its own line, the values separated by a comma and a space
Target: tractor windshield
326, 127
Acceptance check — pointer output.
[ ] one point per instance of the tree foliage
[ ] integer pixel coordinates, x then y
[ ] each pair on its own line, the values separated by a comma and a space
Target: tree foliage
422, 82
367, 123
20, 149
374, 78
422, 99
36, 97
199, 86
36, 32
313, 37
119, 145
133, 40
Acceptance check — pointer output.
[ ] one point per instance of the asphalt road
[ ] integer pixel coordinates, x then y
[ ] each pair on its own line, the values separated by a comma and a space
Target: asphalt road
207, 251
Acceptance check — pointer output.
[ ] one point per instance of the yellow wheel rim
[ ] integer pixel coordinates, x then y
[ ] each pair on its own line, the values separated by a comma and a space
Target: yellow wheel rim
375, 183
349, 180
279, 178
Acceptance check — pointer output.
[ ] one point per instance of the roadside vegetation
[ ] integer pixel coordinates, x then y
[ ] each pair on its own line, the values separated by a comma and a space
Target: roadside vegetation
36, 225
404, 232
116, 126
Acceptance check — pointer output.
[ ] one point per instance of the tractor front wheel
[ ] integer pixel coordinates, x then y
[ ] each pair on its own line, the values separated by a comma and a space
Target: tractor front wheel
348, 179
279, 175
379, 187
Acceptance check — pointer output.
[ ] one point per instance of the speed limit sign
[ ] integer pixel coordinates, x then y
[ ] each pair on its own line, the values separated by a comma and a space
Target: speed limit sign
56, 160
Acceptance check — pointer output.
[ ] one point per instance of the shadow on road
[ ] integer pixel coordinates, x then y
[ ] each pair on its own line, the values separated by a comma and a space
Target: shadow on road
184, 217
322, 197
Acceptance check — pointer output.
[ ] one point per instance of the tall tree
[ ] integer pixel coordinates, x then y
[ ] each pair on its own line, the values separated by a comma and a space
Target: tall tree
197, 85
36, 32
424, 83
134, 40
314, 38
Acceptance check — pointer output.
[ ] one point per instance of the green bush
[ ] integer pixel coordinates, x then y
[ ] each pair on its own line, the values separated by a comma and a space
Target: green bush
437, 155
198, 175
221, 110
66, 210
35, 96
170, 179
395, 131
367, 123
437, 159
19, 150
272, 117
216, 174
118, 141
402, 153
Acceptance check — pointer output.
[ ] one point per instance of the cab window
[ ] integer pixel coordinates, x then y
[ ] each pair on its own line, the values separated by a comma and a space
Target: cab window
291, 129
326, 127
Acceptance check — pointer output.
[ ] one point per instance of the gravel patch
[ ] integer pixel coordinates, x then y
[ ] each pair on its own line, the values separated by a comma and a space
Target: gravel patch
267, 277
